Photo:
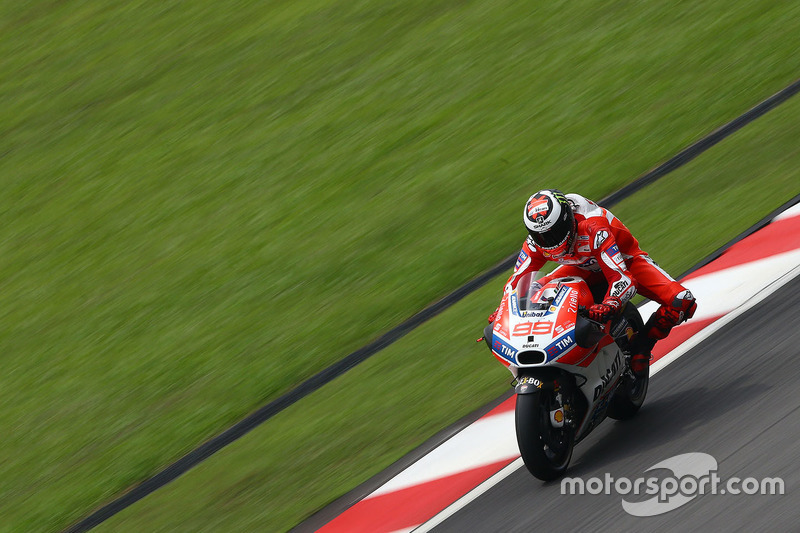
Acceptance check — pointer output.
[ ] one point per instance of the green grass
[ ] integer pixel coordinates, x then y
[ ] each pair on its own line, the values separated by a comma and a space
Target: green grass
206, 203
354, 427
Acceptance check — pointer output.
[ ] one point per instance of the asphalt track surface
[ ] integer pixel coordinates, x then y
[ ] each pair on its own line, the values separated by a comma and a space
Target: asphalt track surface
734, 396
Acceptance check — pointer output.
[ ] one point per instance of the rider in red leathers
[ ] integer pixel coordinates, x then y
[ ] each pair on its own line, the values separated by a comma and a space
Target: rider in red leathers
591, 243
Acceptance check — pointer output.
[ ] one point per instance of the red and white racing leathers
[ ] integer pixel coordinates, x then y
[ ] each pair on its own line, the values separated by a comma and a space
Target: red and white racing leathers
604, 250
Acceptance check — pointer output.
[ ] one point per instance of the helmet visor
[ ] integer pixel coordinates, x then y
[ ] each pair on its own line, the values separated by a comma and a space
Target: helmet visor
556, 235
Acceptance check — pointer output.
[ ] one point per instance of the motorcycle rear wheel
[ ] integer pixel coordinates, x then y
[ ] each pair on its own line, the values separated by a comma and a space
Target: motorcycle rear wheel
545, 450
628, 397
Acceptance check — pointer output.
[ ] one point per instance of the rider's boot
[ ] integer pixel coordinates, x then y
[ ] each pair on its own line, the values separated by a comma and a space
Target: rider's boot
641, 348
658, 326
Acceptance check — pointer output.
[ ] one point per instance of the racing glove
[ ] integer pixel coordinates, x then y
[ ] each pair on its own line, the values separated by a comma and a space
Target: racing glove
535, 287
606, 310
493, 315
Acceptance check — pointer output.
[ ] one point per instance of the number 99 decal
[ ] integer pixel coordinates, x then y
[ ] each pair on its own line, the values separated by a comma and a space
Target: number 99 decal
524, 329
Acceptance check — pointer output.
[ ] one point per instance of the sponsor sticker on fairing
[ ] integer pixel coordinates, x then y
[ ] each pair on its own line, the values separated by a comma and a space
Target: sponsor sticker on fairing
532, 314
504, 350
501, 321
562, 293
560, 345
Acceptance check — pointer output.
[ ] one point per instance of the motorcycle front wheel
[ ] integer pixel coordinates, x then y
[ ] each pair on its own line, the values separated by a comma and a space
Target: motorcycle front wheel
546, 450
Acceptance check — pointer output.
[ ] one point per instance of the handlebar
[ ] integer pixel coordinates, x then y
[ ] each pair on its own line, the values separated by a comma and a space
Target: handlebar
583, 312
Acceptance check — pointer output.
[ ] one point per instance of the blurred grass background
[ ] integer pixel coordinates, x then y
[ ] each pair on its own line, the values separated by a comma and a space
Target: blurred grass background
206, 203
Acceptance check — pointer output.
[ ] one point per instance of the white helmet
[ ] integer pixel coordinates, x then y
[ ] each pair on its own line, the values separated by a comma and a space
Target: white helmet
550, 222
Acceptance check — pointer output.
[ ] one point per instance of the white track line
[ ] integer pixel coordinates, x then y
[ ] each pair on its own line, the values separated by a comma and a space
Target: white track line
715, 326
470, 496
789, 213
452, 457
657, 366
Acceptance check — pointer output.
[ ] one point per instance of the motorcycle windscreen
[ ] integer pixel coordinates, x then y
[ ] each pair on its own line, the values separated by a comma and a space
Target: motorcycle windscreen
528, 294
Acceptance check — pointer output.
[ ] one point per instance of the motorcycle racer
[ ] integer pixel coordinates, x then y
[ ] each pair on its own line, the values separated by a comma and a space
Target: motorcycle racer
589, 242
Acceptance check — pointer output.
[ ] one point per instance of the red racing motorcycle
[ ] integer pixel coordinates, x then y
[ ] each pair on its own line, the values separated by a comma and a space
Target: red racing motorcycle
570, 371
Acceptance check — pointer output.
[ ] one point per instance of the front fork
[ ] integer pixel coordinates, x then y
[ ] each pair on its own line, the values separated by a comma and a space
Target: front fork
558, 390
560, 411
